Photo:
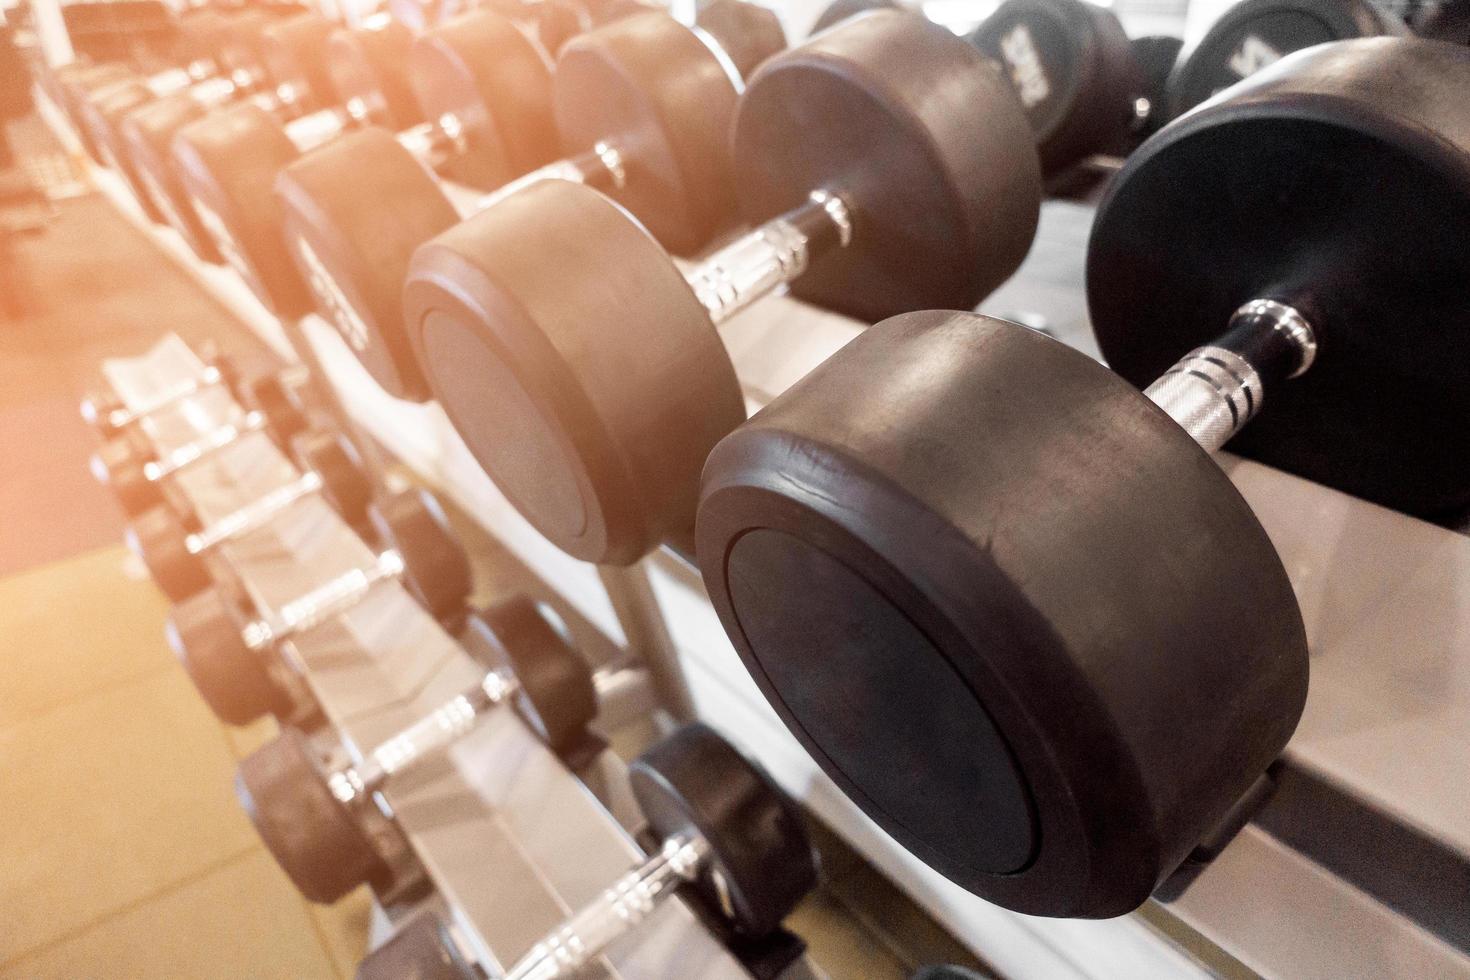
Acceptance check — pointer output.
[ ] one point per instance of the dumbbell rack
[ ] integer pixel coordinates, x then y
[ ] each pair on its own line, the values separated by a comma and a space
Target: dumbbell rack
476, 818
1383, 747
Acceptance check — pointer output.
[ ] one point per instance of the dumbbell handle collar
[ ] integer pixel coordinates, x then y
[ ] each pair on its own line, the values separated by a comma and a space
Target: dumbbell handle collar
324, 602
254, 515
772, 255
629, 901
117, 418
1213, 391
190, 453
431, 734
602, 167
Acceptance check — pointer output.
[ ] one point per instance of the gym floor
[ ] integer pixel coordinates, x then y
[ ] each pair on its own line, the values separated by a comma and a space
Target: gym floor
126, 852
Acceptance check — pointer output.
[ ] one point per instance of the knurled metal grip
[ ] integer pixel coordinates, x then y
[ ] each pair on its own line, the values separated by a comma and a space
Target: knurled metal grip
253, 516
436, 731
433, 143
1213, 391
117, 418
772, 255
601, 167
322, 603
626, 903
314, 129
191, 453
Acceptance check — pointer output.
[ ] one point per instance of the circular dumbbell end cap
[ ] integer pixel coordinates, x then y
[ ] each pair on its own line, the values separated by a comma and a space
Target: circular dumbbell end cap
204, 633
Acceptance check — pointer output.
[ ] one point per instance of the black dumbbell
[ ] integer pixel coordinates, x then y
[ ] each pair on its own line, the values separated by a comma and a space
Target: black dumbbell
107, 414
314, 816
644, 104
722, 826
1256, 33
129, 465
893, 169
173, 548
232, 657
1005, 598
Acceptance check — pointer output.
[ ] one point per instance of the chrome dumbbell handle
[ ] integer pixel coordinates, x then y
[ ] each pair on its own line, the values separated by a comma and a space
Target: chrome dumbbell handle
117, 418
430, 735
254, 515
191, 453
1213, 391
602, 167
628, 902
776, 253
324, 602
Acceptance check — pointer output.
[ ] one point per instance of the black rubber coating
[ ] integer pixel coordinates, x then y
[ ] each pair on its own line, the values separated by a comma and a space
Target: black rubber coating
1256, 33
926, 144
1073, 70
228, 162
694, 782
148, 134
353, 212
489, 75
947, 972
591, 400
650, 87
204, 633
748, 32
420, 950
159, 538
437, 570
346, 484
1156, 56
1009, 606
367, 65
274, 396
316, 840
1347, 169
557, 696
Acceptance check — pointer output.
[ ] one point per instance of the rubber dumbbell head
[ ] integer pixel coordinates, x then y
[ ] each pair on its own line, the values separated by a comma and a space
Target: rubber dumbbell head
424, 949
724, 827
204, 632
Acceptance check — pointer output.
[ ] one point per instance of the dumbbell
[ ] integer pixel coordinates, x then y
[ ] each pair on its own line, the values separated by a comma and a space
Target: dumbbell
315, 818
292, 49
723, 828
1256, 33
106, 413
364, 73
1003, 595
173, 549
903, 173
231, 657
128, 465
643, 103
1071, 65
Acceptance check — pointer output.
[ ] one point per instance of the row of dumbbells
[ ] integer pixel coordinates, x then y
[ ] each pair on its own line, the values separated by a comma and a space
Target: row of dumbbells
717, 823
958, 524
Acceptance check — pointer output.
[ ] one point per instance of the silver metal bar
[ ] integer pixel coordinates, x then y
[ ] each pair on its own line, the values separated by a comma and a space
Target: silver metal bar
772, 255
191, 453
253, 516
603, 160
1213, 391
314, 129
117, 418
324, 602
630, 900
433, 733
